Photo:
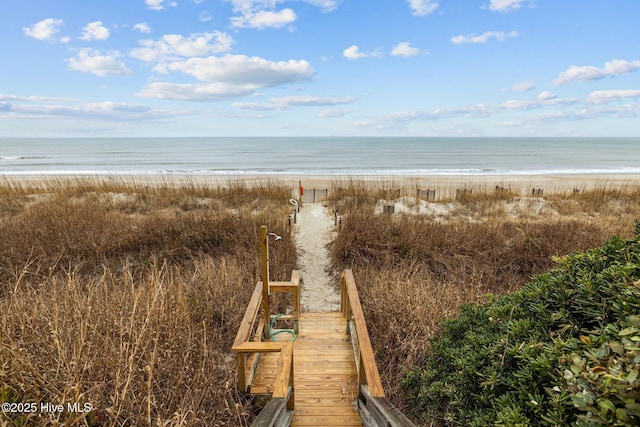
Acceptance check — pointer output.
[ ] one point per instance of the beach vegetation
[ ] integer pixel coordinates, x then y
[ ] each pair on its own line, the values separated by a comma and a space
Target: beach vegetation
123, 299
563, 350
125, 295
418, 267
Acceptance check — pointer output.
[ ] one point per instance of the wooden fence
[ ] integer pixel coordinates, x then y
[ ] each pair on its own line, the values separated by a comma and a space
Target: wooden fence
315, 195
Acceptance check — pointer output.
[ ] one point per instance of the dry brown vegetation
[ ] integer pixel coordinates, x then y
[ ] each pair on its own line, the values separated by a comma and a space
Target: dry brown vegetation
128, 297
417, 267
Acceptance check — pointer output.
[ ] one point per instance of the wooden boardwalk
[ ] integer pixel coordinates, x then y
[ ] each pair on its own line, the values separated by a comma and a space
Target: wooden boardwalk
326, 377
324, 370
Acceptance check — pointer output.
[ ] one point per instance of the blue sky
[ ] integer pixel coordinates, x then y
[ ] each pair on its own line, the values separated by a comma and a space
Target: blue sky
320, 67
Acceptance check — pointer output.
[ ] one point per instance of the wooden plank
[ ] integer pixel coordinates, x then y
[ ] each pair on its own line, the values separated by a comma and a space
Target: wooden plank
369, 366
326, 421
282, 286
334, 350
244, 330
259, 347
346, 386
314, 411
270, 413
264, 245
284, 376
295, 277
382, 408
325, 376
326, 381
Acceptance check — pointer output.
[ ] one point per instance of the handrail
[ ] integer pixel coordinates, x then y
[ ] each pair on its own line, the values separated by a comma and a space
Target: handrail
279, 410
374, 407
247, 363
379, 411
365, 360
248, 345
252, 327
247, 323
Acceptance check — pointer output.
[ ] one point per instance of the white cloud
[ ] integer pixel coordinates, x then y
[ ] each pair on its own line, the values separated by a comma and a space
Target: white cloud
397, 120
313, 101
405, 49
205, 16
143, 27
95, 31
37, 106
483, 38
45, 29
257, 106
587, 73
353, 53
227, 77
174, 46
524, 86
264, 19
92, 61
248, 6
606, 96
332, 113
545, 95
284, 102
101, 111
422, 7
261, 14
196, 92
154, 4
241, 69
327, 5
545, 99
505, 5
7, 97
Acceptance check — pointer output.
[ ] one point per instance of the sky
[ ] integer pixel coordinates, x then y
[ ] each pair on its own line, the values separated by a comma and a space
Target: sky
152, 68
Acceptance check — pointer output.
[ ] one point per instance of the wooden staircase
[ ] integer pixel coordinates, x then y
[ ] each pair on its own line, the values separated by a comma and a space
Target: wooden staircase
326, 377
324, 373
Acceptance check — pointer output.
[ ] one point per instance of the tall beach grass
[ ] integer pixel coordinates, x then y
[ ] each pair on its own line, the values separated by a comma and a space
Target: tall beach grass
419, 266
127, 297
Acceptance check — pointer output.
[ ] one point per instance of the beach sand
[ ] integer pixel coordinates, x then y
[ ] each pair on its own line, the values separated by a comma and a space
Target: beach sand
447, 185
443, 184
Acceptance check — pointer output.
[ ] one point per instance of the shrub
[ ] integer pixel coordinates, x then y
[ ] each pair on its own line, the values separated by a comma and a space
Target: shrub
563, 350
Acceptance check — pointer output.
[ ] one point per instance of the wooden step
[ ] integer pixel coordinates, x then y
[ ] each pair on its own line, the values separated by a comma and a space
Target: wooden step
324, 373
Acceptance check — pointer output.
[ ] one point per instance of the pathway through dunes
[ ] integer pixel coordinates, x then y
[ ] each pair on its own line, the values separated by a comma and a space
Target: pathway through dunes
326, 392
313, 232
325, 375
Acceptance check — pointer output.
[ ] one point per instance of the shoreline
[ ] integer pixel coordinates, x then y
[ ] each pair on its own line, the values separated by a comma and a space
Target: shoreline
523, 183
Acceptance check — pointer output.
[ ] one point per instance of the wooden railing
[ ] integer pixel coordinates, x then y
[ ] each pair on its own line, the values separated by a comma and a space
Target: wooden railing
375, 408
248, 346
279, 410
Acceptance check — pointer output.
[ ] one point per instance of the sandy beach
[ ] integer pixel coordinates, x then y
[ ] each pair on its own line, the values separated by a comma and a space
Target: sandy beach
445, 185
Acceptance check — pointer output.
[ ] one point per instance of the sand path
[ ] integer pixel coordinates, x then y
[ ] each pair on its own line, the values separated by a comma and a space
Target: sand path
314, 231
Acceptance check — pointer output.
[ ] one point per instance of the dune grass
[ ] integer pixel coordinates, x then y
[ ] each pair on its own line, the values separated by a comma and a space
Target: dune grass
418, 268
127, 298
127, 295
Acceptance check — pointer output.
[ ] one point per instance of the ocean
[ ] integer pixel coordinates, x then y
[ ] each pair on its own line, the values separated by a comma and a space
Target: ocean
318, 156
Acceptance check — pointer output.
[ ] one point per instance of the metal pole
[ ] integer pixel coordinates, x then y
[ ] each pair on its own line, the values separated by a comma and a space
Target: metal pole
264, 240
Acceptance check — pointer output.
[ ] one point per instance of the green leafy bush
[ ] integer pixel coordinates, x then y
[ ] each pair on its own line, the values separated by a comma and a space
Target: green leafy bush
564, 350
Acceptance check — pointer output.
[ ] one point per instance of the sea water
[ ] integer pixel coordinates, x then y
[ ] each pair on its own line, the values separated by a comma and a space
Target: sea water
319, 156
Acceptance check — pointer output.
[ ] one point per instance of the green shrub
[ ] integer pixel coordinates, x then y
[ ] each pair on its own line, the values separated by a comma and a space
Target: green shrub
563, 350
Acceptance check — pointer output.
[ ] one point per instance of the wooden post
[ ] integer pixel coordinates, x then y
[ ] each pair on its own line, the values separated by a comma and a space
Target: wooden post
301, 192
264, 240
